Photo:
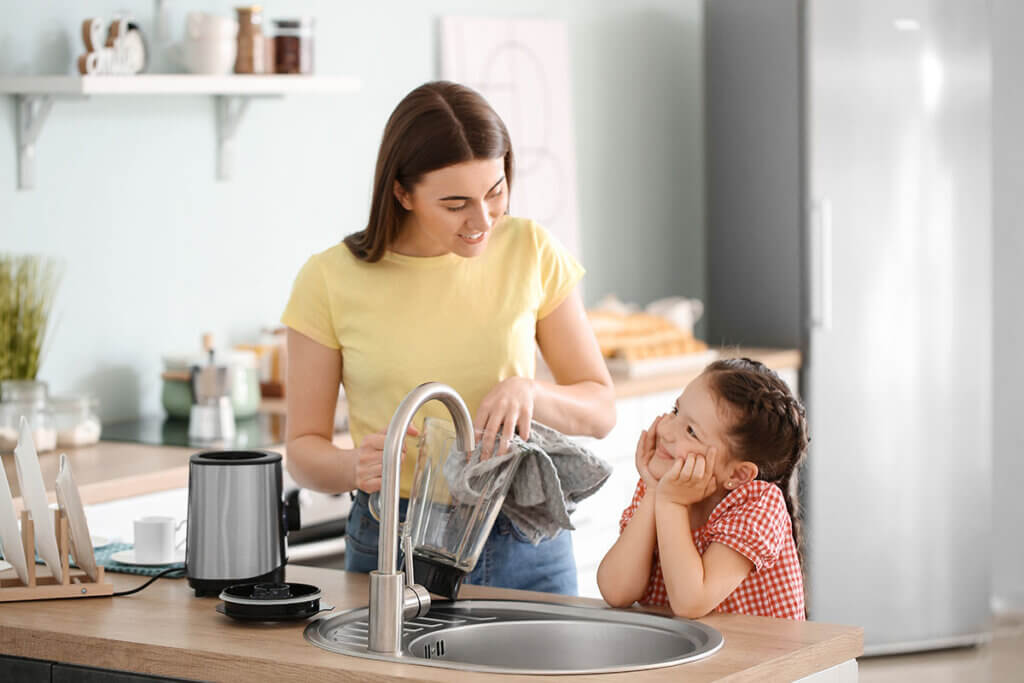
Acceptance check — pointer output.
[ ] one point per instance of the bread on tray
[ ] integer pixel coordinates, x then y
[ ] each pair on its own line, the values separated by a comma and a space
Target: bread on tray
639, 336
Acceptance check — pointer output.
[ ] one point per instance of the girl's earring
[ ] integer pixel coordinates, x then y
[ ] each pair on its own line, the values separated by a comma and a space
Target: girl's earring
728, 484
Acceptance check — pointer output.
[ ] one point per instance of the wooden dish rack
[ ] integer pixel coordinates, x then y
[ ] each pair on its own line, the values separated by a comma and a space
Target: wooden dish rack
76, 583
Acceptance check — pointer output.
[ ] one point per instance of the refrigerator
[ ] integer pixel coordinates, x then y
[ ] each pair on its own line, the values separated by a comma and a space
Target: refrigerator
849, 215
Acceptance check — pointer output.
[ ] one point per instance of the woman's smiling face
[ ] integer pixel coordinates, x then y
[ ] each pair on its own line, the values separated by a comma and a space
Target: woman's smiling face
452, 209
694, 425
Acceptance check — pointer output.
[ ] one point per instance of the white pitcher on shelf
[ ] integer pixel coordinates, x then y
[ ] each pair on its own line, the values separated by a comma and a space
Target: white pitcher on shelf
210, 44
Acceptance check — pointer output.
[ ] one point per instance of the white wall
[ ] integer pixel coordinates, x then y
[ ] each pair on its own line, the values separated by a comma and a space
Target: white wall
1008, 244
156, 250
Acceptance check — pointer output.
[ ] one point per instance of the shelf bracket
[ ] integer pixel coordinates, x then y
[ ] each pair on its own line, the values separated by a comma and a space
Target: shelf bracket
32, 113
230, 112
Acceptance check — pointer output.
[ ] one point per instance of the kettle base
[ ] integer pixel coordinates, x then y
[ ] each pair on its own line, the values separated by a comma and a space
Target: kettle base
206, 588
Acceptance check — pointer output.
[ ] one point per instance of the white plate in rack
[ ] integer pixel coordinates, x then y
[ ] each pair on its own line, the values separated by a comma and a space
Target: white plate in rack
71, 503
10, 534
33, 493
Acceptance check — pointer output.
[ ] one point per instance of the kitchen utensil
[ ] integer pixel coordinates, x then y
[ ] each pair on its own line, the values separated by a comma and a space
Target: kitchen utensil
243, 378
10, 535
154, 539
33, 493
131, 557
448, 531
271, 601
238, 520
71, 503
212, 421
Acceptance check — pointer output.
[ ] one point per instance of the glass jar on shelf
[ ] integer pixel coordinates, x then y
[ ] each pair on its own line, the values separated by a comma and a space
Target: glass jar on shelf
41, 422
293, 46
251, 56
77, 419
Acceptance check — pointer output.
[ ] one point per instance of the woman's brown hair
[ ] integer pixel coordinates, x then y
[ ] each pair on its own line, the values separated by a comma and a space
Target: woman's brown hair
436, 125
769, 427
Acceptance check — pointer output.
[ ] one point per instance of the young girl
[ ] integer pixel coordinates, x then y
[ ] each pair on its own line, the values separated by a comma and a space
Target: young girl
713, 525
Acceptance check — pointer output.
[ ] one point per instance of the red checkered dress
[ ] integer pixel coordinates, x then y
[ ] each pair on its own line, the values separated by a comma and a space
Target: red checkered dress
753, 521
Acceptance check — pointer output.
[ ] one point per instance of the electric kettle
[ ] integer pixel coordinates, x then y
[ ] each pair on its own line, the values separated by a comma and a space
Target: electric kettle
238, 520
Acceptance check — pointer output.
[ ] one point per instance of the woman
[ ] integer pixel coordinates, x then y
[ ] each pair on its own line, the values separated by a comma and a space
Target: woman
443, 286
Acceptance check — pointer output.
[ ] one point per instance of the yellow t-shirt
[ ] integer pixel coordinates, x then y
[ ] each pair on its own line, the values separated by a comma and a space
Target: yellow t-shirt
403, 321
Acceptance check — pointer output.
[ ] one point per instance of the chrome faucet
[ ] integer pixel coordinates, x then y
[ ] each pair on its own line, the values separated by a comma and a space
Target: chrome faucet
394, 595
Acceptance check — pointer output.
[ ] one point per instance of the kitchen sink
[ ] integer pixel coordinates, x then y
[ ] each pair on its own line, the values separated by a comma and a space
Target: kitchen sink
511, 636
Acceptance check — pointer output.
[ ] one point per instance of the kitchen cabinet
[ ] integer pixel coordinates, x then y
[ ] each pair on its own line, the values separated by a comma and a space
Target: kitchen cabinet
64, 673
21, 670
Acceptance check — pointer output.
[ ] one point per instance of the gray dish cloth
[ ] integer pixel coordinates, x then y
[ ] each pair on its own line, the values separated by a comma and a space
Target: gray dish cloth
551, 474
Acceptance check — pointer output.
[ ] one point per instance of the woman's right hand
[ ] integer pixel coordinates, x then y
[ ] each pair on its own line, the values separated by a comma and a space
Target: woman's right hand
645, 451
370, 460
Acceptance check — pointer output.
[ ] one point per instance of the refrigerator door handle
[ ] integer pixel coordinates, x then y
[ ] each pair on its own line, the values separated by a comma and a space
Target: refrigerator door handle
821, 265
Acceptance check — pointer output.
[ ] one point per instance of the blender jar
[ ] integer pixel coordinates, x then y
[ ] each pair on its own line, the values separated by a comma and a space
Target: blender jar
454, 501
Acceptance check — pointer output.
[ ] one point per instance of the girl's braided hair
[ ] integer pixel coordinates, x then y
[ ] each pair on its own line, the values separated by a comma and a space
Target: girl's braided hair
769, 427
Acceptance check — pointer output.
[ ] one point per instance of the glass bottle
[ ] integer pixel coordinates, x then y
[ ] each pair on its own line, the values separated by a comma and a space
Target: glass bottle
251, 57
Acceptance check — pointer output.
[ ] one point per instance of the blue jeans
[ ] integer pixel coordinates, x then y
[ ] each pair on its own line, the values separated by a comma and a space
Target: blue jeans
508, 559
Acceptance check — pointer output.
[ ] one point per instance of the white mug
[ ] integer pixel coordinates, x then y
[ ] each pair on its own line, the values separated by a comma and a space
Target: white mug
209, 45
154, 539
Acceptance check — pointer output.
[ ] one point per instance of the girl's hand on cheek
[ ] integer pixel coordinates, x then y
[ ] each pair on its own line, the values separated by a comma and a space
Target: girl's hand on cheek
645, 451
690, 480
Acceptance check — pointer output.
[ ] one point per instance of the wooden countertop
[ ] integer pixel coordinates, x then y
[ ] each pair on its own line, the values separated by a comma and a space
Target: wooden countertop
164, 630
112, 470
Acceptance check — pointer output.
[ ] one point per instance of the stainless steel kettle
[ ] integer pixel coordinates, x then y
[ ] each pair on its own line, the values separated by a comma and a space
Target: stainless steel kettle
238, 520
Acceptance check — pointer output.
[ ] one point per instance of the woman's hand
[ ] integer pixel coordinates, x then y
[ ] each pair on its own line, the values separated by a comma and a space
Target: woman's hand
690, 479
370, 460
645, 451
506, 408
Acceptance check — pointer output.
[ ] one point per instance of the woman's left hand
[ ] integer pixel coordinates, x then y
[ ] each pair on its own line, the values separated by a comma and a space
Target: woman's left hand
506, 408
690, 479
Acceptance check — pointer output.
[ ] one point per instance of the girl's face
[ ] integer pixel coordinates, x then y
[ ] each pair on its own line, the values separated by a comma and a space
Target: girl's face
453, 209
692, 426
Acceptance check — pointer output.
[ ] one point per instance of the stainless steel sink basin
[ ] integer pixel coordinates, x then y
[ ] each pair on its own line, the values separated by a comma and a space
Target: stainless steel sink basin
510, 636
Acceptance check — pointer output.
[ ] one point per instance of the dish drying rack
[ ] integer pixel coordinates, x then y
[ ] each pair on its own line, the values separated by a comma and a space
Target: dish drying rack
75, 584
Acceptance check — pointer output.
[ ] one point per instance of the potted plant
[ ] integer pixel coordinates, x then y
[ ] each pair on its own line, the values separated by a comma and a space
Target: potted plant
28, 284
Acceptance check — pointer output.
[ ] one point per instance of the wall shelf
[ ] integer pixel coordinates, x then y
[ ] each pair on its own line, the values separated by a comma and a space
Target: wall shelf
35, 96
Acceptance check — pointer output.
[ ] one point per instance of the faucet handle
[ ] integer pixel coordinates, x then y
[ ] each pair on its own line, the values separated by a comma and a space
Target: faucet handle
407, 562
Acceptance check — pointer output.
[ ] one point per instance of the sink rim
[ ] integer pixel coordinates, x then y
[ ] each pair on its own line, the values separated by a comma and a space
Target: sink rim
685, 628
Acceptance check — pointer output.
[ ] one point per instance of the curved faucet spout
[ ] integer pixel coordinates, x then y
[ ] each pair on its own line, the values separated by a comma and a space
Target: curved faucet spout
387, 556
388, 596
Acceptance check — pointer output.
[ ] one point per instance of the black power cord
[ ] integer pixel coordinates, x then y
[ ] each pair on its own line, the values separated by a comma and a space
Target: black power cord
172, 573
